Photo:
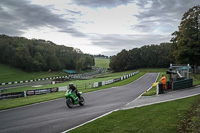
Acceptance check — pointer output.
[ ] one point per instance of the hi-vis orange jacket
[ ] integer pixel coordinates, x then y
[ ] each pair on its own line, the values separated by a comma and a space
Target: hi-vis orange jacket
163, 80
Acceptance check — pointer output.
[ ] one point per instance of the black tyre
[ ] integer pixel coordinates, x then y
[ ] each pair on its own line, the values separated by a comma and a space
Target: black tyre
69, 103
81, 101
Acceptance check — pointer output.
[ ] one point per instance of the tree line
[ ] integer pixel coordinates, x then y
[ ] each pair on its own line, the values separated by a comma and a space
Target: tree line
101, 56
148, 56
39, 55
183, 49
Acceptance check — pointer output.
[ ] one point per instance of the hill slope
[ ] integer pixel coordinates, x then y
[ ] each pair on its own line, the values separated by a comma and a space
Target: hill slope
11, 74
102, 62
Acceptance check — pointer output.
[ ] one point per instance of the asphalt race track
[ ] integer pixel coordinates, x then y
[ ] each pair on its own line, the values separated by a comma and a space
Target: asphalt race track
55, 117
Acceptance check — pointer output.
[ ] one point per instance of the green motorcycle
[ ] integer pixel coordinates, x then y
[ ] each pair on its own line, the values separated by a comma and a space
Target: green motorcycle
72, 99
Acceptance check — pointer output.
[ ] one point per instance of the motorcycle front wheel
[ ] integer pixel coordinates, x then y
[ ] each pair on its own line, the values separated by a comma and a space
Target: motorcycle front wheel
81, 101
69, 103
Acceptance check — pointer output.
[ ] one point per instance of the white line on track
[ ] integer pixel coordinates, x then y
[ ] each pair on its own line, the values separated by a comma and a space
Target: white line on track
160, 101
103, 114
126, 109
90, 121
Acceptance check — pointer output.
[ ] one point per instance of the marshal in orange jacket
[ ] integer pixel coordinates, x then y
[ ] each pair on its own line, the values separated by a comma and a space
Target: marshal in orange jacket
163, 80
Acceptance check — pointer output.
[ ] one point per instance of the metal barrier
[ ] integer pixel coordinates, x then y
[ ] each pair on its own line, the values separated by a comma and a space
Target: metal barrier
181, 84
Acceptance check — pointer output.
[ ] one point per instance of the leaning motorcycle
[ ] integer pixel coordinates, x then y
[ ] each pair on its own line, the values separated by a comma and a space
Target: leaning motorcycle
72, 99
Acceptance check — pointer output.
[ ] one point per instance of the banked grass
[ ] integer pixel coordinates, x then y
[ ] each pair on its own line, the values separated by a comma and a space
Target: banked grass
102, 62
79, 83
158, 118
153, 90
11, 74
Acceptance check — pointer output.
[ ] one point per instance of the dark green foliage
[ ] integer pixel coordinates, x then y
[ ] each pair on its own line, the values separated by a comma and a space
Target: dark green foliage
40, 55
119, 62
148, 56
186, 41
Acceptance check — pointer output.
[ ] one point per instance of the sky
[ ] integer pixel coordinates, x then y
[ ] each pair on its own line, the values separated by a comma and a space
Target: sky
94, 26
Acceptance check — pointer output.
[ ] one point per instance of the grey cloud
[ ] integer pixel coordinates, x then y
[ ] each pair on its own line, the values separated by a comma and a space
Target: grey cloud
18, 16
166, 13
73, 31
73, 12
102, 3
115, 42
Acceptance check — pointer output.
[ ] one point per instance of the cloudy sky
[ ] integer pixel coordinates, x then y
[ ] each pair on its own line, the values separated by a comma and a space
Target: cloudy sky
94, 26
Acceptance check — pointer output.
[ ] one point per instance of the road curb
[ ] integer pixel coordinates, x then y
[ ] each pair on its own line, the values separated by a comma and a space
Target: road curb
160, 101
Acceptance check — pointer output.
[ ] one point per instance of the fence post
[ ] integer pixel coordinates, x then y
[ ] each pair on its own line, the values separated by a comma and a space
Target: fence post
24, 93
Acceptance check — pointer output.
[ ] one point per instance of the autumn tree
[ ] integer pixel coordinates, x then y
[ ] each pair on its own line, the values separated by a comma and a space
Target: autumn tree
186, 40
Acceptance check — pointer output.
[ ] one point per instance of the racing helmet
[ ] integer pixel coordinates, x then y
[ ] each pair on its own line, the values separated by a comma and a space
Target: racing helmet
70, 84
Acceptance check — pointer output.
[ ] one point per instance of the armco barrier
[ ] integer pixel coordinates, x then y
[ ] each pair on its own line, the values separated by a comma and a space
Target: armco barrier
109, 81
32, 92
26, 81
50, 90
64, 88
95, 85
103, 83
117, 79
98, 84
41, 91
11, 95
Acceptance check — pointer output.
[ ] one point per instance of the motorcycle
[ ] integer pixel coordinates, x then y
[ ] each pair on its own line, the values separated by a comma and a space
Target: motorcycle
72, 99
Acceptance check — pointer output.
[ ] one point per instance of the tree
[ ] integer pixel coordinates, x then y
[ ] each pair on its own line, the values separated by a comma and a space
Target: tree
187, 39
145, 57
119, 62
40, 55
134, 60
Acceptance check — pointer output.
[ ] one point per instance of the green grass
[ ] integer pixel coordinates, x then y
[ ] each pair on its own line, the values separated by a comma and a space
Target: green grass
17, 102
191, 122
10, 74
196, 78
102, 62
158, 118
79, 83
153, 90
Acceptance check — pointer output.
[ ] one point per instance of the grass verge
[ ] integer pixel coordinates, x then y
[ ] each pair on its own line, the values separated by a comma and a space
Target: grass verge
79, 83
153, 90
17, 102
158, 118
11, 74
102, 62
190, 124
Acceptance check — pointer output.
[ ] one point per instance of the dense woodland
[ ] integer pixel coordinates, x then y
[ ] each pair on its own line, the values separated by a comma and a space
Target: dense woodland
40, 55
183, 49
148, 56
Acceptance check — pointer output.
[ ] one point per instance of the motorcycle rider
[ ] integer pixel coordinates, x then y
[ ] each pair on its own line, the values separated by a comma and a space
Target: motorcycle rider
74, 89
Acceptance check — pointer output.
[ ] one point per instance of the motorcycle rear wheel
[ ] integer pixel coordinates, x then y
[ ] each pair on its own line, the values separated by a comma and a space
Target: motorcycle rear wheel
81, 101
69, 103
